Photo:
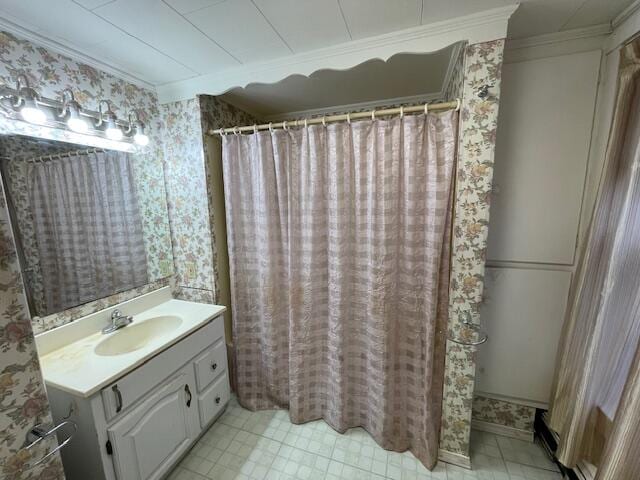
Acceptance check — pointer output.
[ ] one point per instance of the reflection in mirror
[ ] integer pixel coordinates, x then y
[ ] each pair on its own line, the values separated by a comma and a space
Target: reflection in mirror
88, 222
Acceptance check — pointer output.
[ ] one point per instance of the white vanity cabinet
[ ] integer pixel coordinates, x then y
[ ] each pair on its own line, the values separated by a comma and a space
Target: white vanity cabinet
140, 425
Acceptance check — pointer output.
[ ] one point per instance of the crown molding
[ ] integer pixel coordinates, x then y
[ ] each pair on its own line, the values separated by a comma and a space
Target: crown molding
601, 30
72, 53
626, 26
626, 13
479, 27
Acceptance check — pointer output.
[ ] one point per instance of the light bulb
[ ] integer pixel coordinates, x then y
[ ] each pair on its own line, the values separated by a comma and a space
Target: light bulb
113, 132
141, 139
31, 113
77, 124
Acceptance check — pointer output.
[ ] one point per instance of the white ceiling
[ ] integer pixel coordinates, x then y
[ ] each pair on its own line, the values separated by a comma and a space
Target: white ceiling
163, 41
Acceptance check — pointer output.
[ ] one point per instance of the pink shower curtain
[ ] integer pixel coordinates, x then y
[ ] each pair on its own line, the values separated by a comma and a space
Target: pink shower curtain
339, 256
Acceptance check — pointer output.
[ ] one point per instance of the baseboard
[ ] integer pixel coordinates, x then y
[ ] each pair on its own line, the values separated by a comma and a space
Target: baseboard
502, 430
457, 459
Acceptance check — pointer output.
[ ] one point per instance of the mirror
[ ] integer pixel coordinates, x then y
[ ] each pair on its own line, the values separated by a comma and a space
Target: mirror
88, 222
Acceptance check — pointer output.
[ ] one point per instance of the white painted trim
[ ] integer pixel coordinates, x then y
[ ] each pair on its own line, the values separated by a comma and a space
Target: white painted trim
72, 53
453, 63
626, 26
502, 430
429, 97
626, 13
457, 459
559, 37
479, 27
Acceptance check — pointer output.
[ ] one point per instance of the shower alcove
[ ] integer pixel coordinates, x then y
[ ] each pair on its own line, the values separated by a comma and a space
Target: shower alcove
444, 66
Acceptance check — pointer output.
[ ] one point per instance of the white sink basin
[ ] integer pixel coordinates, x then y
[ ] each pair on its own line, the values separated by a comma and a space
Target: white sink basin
137, 335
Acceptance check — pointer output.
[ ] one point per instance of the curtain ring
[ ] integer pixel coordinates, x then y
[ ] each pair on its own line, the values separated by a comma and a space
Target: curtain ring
373, 114
401, 111
426, 108
284, 126
324, 121
271, 127
457, 104
255, 128
349, 118
305, 123
235, 130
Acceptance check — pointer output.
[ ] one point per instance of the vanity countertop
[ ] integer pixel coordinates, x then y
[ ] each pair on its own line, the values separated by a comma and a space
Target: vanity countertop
77, 369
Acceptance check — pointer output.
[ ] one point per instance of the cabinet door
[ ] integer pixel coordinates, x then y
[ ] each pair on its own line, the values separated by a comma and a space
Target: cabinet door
148, 440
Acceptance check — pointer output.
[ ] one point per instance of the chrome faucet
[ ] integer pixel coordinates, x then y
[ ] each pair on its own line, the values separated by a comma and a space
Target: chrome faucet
118, 321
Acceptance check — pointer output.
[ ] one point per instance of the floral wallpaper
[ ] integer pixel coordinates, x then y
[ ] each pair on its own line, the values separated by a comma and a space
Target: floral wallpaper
150, 190
193, 238
503, 413
23, 401
50, 73
478, 122
215, 113
188, 207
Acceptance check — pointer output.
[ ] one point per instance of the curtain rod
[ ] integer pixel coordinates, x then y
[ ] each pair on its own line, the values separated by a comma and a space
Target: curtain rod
338, 118
57, 156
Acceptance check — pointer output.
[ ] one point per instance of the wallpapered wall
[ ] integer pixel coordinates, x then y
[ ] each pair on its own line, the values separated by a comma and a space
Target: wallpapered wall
23, 402
22, 398
503, 413
50, 74
476, 147
192, 234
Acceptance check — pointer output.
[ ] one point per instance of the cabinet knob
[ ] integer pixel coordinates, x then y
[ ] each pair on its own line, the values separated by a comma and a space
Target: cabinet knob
217, 400
214, 366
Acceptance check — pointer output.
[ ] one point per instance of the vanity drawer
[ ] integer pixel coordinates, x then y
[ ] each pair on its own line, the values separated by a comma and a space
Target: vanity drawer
213, 400
211, 364
125, 392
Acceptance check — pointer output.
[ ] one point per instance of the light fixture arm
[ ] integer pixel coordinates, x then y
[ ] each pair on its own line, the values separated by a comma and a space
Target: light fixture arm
68, 102
24, 91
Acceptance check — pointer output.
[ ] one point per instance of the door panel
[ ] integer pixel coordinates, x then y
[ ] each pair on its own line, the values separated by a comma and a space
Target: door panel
147, 441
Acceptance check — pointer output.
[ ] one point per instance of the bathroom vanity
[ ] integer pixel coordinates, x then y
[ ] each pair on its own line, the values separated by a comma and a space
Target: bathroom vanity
142, 395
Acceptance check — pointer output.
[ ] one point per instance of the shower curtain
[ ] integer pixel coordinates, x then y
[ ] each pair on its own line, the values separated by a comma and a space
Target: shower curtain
598, 371
87, 226
339, 258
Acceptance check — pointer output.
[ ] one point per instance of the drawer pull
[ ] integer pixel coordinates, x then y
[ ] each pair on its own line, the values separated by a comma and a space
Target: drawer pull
118, 395
188, 392
217, 400
214, 366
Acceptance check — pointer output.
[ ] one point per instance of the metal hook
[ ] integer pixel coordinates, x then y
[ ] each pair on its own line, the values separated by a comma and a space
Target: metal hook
458, 103
284, 126
426, 108
483, 91
349, 118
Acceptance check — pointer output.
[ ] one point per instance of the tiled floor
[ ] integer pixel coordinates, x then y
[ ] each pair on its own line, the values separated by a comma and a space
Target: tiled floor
266, 446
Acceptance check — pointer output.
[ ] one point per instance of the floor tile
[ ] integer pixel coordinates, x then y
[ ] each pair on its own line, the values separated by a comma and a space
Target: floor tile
245, 445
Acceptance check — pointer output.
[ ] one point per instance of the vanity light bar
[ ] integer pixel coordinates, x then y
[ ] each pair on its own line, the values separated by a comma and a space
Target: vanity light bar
33, 108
